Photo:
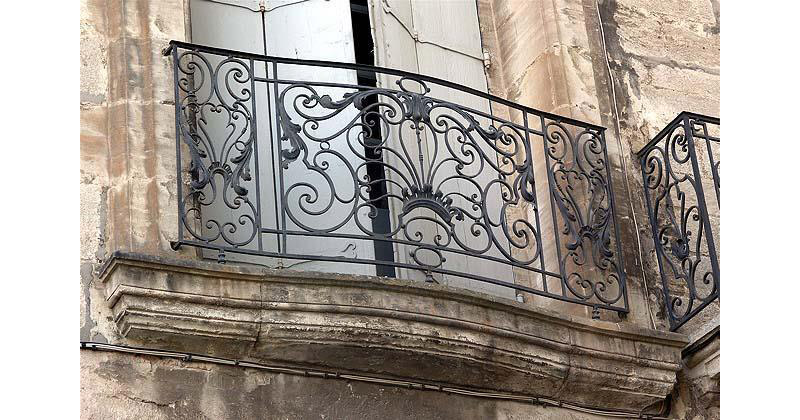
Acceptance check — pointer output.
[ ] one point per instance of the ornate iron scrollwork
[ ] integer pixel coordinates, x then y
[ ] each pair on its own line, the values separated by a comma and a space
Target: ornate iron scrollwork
417, 179
581, 191
679, 213
455, 182
218, 169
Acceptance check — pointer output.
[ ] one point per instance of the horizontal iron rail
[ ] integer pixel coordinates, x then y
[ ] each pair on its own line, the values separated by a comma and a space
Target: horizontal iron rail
404, 242
363, 87
437, 270
671, 125
377, 69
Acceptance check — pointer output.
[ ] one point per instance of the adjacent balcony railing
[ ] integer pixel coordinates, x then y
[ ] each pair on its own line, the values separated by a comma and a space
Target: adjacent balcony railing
680, 168
360, 169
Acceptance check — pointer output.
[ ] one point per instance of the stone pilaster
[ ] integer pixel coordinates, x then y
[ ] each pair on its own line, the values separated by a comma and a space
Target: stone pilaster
549, 55
128, 175
141, 136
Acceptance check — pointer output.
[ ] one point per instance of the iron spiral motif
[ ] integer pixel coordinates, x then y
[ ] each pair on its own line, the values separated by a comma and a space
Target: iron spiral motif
442, 179
220, 154
678, 206
581, 192
464, 193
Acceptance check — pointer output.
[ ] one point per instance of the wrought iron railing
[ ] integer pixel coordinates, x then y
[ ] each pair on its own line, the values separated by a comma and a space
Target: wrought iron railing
680, 168
295, 160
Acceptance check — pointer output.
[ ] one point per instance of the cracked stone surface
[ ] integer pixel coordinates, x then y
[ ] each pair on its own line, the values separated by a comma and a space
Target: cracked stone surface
123, 387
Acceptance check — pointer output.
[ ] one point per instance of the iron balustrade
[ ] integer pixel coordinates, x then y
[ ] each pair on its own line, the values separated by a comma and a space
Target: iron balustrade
290, 159
680, 169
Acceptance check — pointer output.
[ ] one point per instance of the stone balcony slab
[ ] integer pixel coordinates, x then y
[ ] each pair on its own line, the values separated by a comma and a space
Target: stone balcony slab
389, 327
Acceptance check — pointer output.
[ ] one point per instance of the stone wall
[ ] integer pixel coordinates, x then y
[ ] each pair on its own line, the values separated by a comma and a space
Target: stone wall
128, 177
628, 65
121, 386
549, 55
93, 151
664, 59
631, 66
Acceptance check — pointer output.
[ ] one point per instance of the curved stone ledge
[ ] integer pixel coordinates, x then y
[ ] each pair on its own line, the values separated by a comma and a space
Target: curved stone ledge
398, 328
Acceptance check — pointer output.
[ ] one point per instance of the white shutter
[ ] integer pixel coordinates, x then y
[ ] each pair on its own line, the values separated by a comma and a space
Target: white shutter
314, 29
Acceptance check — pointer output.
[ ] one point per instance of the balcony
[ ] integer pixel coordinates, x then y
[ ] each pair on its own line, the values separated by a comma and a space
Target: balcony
680, 169
306, 165
354, 229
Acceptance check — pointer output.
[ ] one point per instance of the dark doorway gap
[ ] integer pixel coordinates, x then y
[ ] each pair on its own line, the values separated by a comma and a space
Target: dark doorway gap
365, 54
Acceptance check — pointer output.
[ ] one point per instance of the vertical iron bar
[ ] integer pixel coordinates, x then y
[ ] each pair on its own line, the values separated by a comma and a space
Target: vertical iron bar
271, 128
254, 130
498, 161
264, 33
620, 269
711, 161
274, 142
551, 183
701, 200
277, 144
529, 157
178, 165
653, 226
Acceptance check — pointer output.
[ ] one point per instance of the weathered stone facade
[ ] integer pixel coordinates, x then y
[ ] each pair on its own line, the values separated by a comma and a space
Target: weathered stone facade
628, 65
143, 387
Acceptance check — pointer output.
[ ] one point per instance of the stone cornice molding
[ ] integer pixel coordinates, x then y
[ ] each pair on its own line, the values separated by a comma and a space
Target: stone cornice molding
404, 329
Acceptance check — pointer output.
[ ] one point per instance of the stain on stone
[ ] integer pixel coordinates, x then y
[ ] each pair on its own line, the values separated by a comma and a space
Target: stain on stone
360, 299
713, 29
618, 60
101, 253
119, 370
650, 62
160, 24
170, 404
92, 98
87, 323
